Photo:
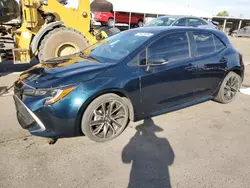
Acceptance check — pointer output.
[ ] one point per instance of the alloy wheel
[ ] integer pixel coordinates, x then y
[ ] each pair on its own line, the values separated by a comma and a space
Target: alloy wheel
231, 88
108, 119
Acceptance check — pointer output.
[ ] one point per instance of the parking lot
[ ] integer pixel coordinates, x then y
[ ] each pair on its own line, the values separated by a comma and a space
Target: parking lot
203, 146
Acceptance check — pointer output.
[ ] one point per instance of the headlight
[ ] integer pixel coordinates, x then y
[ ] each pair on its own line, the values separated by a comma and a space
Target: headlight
51, 95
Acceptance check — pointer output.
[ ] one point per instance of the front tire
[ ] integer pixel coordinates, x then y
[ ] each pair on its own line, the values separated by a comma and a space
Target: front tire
229, 88
105, 118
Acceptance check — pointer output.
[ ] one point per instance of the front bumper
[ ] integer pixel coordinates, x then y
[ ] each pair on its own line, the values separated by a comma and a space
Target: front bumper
59, 120
28, 120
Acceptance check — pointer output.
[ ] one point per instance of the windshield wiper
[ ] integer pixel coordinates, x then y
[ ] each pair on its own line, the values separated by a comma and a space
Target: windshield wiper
56, 61
88, 57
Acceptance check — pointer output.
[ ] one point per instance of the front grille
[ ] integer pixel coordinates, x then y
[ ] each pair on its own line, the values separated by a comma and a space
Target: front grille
23, 116
18, 91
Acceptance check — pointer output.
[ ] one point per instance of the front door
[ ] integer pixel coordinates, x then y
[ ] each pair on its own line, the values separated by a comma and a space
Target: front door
171, 84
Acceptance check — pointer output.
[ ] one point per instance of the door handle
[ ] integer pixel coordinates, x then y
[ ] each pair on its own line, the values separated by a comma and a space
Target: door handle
190, 67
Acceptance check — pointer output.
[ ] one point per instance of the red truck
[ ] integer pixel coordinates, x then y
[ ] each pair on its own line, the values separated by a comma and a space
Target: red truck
107, 18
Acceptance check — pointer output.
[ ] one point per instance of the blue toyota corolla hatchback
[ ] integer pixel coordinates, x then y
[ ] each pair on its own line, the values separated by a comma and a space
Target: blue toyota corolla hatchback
133, 75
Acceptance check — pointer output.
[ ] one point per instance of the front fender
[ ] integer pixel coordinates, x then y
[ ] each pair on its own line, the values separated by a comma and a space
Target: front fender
102, 85
36, 40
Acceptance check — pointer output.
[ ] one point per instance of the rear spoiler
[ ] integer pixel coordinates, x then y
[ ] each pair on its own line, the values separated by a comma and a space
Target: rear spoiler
101, 6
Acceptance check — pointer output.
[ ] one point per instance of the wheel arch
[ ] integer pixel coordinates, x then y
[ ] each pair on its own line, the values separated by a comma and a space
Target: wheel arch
238, 71
110, 17
98, 94
140, 20
39, 36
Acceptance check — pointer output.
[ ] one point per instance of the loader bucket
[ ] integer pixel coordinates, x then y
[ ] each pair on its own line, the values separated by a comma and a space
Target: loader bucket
101, 6
9, 10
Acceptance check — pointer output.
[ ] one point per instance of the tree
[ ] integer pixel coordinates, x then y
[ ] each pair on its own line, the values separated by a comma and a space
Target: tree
223, 13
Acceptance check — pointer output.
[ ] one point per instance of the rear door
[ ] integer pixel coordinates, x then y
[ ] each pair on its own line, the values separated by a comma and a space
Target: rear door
242, 32
134, 18
209, 65
248, 31
122, 17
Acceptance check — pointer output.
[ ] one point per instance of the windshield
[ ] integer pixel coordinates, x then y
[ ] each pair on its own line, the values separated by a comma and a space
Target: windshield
117, 47
162, 21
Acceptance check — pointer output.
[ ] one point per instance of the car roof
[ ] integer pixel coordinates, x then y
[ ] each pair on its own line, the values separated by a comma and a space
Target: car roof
158, 30
179, 16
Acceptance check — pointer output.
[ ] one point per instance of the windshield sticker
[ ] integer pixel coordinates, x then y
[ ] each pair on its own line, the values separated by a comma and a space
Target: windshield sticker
144, 34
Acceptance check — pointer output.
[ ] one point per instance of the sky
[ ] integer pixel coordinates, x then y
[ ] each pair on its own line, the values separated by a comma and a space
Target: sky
237, 8
234, 7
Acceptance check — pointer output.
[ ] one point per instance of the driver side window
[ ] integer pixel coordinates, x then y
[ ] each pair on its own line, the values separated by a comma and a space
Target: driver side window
171, 47
140, 59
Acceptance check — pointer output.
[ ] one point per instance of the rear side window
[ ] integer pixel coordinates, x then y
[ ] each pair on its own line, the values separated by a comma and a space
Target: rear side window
218, 44
195, 22
172, 47
180, 22
204, 43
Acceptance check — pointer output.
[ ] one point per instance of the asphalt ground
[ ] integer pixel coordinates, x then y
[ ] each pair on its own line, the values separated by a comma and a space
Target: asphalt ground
203, 146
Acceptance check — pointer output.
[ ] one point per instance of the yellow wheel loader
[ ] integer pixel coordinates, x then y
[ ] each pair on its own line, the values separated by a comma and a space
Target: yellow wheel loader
48, 29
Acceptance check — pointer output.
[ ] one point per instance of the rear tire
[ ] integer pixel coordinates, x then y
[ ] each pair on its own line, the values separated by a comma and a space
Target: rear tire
229, 88
111, 22
140, 23
105, 118
61, 42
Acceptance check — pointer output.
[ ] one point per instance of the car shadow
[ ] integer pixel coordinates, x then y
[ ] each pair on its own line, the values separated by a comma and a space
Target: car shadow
150, 157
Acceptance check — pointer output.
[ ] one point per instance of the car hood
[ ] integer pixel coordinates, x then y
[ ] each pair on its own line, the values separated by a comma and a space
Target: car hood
63, 71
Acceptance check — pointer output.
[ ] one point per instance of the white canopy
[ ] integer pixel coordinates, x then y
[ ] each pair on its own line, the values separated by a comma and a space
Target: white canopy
151, 7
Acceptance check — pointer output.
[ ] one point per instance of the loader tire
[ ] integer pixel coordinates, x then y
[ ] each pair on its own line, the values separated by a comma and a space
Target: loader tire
61, 41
